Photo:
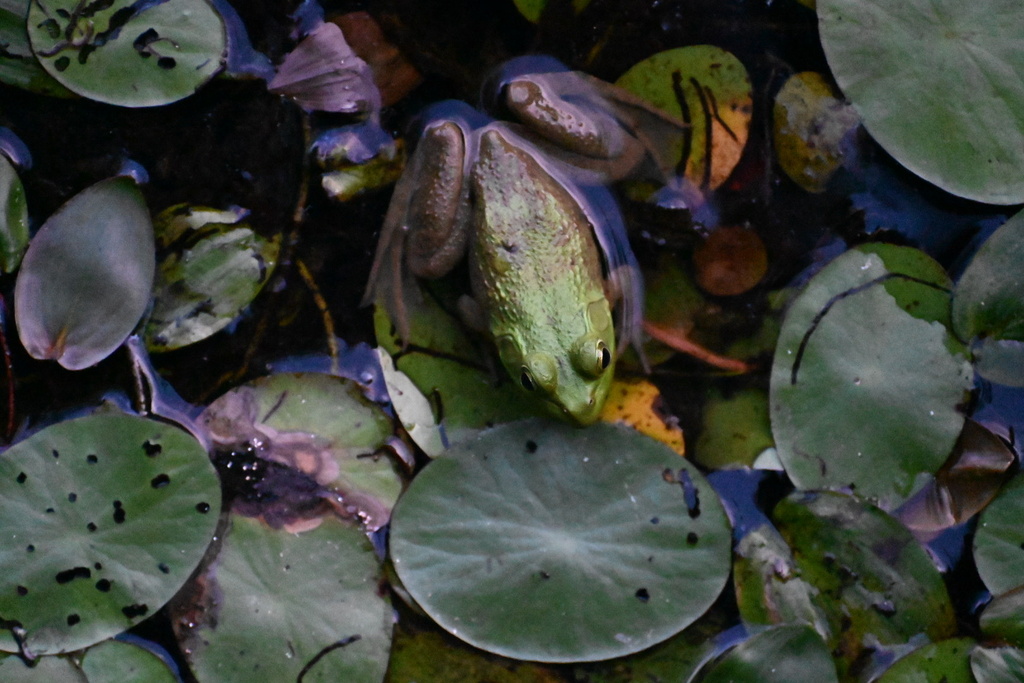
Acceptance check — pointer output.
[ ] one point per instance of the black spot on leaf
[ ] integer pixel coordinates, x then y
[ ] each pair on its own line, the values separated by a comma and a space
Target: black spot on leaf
119, 514
72, 497
164, 569
21, 478
136, 610
160, 481
166, 63
91, 459
73, 619
103, 585
22, 590
531, 446
152, 449
50, 511
642, 595
91, 526
69, 575
692, 538
203, 507
30, 548
97, 566
56, 453
654, 520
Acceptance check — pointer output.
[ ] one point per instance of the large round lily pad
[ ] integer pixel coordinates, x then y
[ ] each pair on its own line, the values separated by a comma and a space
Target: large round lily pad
866, 380
133, 54
999, 541
938, 84
543, 542
104, 517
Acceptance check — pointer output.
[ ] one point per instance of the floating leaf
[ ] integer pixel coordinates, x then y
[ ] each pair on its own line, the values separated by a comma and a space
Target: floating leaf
129, 53
87, 276
543, 542
105, 517
938, 86
707, 88
811, 124
736, 429
1003, 618
13, 217
412, 408
874, 582
945, 662
638, 404
999, 540
779, 655
18, 66
211, 268
865, 390
46, 670
291, 607
997, 664
113, 661
319, 426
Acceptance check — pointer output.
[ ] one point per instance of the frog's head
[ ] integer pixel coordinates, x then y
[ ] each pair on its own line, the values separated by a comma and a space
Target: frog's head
572, 382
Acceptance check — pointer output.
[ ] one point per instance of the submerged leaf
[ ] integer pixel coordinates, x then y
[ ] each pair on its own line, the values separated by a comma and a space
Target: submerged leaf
13, 217
87, 276
781, 654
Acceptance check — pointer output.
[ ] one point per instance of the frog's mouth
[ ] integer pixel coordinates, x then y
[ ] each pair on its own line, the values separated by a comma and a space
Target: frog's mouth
581, 415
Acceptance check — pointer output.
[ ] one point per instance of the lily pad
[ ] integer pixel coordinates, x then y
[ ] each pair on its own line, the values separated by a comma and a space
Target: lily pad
543, 542
707, 88
18, 66
865, 389
113, 661
811, 124
105, 517
132, 54
945, 662
1003, 618
13, 217
87, 276
319, 426
736, 429
874, 583
938, 86
212, 266
781, 654
997, 664
292, 607
47, 670
999, 540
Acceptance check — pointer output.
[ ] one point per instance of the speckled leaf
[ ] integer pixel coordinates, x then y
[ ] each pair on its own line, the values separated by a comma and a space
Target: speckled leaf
769, 589
810, 124
873, 581
539, 541
210, 269
13, 217
47, 670
865, 390
132, 54
288, 603
945, 662
716, 92
104, 519
449, 369
781, 654
1003, 618
938, 86
319, 425
638, 404
113, 661
87, 276
999, 540
18, 66
997, 664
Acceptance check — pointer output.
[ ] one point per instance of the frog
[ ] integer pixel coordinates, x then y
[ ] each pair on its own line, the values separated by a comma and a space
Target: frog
543, 239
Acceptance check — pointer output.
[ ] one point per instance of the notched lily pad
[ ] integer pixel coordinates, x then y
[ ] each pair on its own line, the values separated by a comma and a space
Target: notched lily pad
867, 381
87, 276
288, 607
543, 542
316, 442
105, 517
128, 53
211, 267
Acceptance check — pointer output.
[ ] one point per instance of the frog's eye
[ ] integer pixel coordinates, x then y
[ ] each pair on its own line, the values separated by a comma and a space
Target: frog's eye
539, 373
591, 356
527, 380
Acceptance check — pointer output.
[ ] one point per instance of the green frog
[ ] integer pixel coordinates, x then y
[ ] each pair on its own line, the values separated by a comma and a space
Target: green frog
544, 242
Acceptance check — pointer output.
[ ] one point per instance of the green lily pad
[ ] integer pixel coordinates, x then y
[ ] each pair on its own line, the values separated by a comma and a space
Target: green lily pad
105, 517
132, 54
533, 9
999, 540
212, 266
987, 304
87, 276
113, 661
769, 589
810, 125
938, 86
13, 217
318, 425
736, 429
874, 583
716, 100
47, 670
781, 654
945, 662
543, 542
18, 66
292, 607
865, 389
997, 664
1003, 618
